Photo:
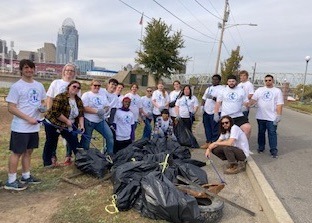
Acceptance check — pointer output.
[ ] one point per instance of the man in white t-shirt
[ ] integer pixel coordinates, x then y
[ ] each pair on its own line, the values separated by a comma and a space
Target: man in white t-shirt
147, 106
232, 146
124, 122
270, 102
248, 88
25, 100
231, 101
208, 103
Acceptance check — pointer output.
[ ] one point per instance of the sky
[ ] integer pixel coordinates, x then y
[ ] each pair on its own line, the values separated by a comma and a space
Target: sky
109, 30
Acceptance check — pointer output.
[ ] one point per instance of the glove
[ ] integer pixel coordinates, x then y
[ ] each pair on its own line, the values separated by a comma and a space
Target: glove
202, 109
70, 129
216, 117
100, 112
149, 115
42, 108
244, 108
178, 117
209, 96
277, 119
161, 108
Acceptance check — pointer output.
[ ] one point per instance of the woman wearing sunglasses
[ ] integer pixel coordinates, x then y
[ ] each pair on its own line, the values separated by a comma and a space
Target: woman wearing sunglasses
64, 118
232, 146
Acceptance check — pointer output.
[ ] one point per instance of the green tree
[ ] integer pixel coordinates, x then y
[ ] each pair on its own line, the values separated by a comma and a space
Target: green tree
160, 53
231, 65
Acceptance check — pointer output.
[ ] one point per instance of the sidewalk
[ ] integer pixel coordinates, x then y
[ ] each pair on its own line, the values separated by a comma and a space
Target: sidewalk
248, 189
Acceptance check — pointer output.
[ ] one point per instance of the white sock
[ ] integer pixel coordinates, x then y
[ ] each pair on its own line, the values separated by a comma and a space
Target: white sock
26, 175
11, 177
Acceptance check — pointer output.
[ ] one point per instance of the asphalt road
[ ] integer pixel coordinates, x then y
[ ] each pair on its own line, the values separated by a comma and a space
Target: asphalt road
291, 174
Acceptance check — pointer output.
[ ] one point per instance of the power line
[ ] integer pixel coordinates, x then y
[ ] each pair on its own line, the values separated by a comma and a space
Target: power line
207, 10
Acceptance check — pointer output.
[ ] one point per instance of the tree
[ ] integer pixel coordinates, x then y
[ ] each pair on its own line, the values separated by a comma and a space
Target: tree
231, 65
160, 53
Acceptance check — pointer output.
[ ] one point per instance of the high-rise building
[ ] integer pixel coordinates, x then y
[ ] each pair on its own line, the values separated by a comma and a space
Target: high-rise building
67, 43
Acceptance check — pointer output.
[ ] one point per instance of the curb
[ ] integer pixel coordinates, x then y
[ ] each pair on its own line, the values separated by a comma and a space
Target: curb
271, 205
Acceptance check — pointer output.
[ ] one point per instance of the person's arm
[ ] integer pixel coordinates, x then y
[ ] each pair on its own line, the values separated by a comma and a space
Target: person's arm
81, 124
219, 142
49, 102
279, 109
62, 118
217, 107
90, 110
12, 108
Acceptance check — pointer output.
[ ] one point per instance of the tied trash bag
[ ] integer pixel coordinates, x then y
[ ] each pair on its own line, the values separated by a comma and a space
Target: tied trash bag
92, 161
185, 136
193, 173
162, 200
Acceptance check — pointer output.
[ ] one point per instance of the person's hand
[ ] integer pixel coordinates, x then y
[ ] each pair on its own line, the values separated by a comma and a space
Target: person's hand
149, 115
216, 117
277, 119
82, 130
244, 108
209, 96
32, 121
207, 153
161, 108
42, 108
100, 112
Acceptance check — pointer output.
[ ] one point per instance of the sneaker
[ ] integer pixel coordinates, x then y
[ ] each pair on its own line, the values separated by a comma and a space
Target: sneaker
274, 156
232, 170
30, 180
54, 162
260, 151
68, 161
16, 185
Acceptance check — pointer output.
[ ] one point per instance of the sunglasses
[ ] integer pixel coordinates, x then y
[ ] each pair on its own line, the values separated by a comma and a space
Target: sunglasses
76, 87
225, 123
149, 90
96, 85
267, 80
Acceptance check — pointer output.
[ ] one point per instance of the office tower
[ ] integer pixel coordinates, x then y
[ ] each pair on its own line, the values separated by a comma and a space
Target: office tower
67, 43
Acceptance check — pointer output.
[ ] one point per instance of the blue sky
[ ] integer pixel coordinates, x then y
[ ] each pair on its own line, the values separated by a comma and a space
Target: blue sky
109, 30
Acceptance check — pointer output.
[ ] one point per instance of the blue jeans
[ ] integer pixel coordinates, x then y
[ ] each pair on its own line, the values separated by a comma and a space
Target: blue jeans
263, 126
102, 128
147, 131
211, 128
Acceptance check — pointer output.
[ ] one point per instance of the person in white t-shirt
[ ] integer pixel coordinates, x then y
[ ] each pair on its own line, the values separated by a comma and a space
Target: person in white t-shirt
270, 102
248, 88
25, 99
208, 103
135, 107
147, 106
164, 126
231, 100
232, 146
123, 121
173, 96
118, 91
160, 99
95, 107
186, 107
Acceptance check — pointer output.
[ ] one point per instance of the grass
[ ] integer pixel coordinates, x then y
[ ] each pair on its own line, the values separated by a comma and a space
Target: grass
298, 106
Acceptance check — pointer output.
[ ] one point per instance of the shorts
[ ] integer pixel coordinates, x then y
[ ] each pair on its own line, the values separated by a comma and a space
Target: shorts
20, 142
239, 121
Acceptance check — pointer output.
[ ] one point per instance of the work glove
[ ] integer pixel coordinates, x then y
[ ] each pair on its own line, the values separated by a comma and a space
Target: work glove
277, 119
42, 108
216, 117
100, 112
161, 108
209, 96
244, 108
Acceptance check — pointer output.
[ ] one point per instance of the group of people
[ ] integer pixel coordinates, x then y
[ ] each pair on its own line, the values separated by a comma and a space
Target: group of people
65, 111
227, 137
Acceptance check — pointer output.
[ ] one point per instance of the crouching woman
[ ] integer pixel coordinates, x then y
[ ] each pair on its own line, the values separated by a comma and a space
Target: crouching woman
232, 146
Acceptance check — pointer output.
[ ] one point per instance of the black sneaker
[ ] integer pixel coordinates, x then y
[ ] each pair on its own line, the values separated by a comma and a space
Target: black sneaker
16, 185
30, 180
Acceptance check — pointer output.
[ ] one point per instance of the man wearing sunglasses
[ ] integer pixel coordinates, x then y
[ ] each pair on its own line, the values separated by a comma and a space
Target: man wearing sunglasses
270, 104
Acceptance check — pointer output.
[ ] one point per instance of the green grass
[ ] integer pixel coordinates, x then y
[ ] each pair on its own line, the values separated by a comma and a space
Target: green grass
298, 106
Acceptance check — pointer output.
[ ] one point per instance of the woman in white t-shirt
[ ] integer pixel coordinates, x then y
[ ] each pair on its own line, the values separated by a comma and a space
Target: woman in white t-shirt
173, 96
160, 99
148, 109
232, 146
135, 107
186, 107
96, 106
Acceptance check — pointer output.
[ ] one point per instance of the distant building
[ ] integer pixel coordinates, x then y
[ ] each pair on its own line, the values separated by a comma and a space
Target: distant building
47, 53
84, 66
29, 55
67, 43
3, 46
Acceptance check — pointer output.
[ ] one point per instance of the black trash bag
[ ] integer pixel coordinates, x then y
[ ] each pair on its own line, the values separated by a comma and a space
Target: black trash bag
141, 143
126, 180
193, 173
156, 146
128, 154
158, 158
162, 200
185, 136
178, 151
92, 161
191, 161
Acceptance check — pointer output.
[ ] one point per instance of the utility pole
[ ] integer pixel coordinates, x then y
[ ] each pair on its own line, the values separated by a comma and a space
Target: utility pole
222, 26
254, 73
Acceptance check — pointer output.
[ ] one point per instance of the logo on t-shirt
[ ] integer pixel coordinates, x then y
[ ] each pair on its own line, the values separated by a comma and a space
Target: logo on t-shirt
127, 119
232, 96
267, 96
97, 101
33, 97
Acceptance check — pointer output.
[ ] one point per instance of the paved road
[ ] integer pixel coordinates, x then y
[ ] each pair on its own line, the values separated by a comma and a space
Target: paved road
291, 174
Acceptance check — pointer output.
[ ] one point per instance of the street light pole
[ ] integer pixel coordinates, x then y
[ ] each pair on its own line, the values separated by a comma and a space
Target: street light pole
307, 59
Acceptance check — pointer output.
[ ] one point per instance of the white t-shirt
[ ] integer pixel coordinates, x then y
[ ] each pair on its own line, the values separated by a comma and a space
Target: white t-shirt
186, 105
147, 104
267, 99
209, 103
113, 100
241, 140
248, 87
135, 105
123, 121
160, 100
172, 97
27, 97
74, 112
232, 101
58, 86
94, 100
